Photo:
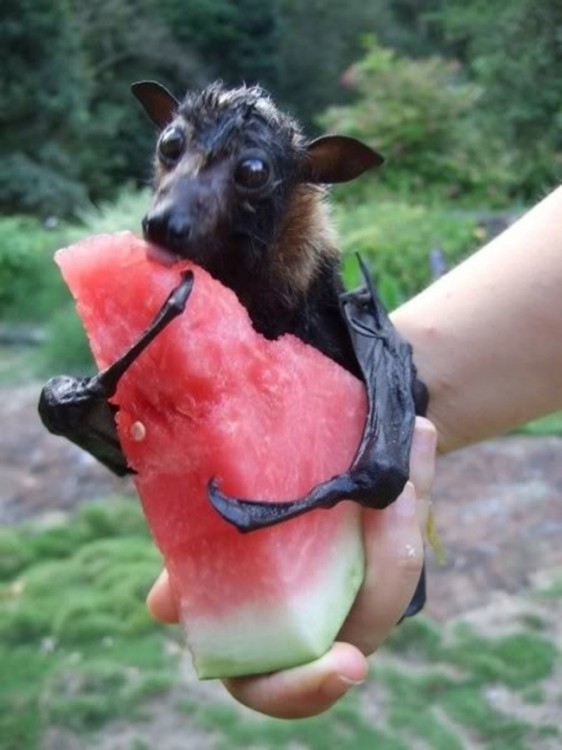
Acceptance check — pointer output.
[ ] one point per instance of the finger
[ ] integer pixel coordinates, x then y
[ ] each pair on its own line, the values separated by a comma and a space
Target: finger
302, 691
394, 549
394, 552
422, 458
160, 602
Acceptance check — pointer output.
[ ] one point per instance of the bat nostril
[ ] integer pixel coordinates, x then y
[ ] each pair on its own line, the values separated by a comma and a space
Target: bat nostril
167, 230
154, 228
178, 231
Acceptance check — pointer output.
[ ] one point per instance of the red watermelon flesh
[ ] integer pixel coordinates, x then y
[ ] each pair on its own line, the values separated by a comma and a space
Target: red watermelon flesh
210, 397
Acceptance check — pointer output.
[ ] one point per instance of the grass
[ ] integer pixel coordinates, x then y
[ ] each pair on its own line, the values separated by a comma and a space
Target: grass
79, 651
551, 424
77, 646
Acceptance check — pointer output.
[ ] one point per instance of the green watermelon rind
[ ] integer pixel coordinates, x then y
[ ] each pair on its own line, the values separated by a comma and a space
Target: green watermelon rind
301, 629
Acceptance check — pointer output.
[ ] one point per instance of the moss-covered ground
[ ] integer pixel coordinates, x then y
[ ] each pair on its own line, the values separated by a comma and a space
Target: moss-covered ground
80, 655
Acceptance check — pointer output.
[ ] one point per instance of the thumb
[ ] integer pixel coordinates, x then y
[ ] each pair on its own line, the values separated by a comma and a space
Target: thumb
306, 690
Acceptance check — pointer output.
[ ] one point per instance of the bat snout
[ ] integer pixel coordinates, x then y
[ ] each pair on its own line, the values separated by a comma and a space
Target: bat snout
168, 229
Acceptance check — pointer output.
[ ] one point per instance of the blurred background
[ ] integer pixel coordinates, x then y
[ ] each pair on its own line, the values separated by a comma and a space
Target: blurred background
464, 99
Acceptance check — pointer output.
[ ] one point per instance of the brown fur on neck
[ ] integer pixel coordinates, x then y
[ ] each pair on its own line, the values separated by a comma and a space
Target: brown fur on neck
307, 240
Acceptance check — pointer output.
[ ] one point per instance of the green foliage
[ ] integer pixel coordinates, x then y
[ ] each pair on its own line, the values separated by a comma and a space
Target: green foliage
78, 647
33, 185
486, 127
24, 546
66, 346
551, 424
513, 52
517, 660
79, 650
319, 41
40, 119
418, 638
123, 212
396, 240
69, 128
122, 42
412, 27
237, 40
345, 726
30, 286
420, 116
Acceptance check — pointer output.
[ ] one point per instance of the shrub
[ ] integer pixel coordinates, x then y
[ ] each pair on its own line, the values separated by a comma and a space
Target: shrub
30, 186
396, 240
30, 286
421, 117
124, 212
66, 346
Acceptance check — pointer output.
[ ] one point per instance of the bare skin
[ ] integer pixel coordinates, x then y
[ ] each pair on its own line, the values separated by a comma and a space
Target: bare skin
486, 343
486, 336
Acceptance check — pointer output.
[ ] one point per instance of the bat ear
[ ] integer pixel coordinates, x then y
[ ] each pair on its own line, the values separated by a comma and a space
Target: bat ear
157, 101
338, 158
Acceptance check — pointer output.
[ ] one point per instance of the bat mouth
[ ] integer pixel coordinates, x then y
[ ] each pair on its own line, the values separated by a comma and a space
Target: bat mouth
163, 255
169, 256
171, 238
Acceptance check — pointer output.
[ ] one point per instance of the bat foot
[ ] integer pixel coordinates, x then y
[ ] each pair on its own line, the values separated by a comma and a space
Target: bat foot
64, 400
79, 409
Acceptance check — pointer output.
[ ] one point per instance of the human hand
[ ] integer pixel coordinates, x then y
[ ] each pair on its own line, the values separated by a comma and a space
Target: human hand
394, 554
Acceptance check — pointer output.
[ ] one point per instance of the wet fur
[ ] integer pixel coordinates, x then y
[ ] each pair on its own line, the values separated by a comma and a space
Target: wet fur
278, 252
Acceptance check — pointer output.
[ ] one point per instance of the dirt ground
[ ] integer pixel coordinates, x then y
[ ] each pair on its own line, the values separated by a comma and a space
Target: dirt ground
498, 505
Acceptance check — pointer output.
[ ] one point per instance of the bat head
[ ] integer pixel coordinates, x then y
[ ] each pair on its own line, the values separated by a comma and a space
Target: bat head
227, 162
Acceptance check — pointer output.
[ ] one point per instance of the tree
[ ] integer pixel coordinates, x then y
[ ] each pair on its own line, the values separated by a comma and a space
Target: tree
237, 39
514, 52
68, 124
124, 41
421, 116
42, 104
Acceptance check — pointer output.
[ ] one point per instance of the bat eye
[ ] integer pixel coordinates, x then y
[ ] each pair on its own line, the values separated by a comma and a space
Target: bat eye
171, 144
252, 173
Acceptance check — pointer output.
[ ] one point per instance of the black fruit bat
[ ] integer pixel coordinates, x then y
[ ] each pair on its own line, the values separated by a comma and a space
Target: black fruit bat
241, 192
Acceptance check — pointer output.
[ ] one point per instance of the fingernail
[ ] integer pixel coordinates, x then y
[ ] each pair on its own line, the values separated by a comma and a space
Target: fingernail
337, 685
405, 505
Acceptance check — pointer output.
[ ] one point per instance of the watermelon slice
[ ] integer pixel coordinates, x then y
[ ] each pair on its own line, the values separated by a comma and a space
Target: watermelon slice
210, 397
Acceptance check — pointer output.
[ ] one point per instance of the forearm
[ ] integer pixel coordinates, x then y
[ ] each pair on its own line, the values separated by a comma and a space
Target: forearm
487, 337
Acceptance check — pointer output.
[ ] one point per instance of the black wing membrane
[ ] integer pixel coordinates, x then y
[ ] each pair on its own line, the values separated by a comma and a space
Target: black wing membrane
78, 408
380, 467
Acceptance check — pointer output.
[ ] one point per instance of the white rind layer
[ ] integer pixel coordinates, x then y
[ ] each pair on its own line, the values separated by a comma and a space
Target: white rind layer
258, 638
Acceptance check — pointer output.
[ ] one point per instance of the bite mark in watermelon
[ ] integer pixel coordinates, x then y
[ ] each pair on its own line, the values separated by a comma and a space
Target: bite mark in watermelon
211, 397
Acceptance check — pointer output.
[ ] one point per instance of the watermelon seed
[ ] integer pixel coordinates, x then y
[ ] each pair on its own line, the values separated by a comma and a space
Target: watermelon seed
137, 432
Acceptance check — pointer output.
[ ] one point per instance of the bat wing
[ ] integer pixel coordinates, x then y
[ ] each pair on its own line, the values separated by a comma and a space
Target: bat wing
380, 467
